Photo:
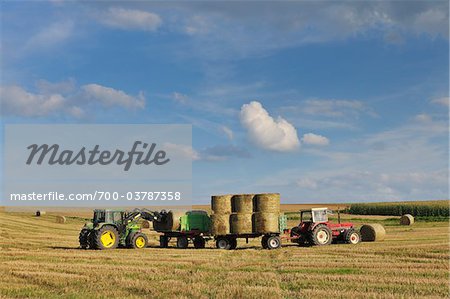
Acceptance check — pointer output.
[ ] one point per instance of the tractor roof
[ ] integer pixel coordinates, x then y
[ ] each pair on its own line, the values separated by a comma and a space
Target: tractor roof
314, 209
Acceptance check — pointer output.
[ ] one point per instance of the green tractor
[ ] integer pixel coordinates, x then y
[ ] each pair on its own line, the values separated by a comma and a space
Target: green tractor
110, 229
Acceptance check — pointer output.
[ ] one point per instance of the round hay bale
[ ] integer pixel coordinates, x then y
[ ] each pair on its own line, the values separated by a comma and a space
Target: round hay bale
220, 224
266, 222
372, 232
146, 224
221, 204
40, 213
242, 203
241, 223
170, 222
267, 203
60, 219
407, 219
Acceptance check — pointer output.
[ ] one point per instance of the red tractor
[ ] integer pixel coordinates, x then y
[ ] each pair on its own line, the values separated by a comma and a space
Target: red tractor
315, 229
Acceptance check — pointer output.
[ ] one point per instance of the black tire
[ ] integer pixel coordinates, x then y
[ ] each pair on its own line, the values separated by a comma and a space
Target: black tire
182, 242
137, 240
321, 235
233, 243
273, 242
84, 239
163, 241
199, 242
111, 233
223, 243
264, 242
351, 236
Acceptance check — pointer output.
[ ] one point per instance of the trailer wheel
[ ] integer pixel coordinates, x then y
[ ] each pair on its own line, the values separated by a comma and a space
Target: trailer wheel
182, 242
233, 243
163, 241
352, 236
223, 243
273, 242
199, 242
264, 242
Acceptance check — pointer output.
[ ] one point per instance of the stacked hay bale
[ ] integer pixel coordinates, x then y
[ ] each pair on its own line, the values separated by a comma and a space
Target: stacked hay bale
220, 219
146, 224
170, 222
372, 232
407, 219
242, 211
267, 213
245, 214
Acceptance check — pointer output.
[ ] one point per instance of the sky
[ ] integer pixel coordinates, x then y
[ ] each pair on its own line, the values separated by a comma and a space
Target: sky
319, 101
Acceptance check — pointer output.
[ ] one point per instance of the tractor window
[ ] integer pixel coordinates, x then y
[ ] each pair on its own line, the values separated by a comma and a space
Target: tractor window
320, 216
306, 216
99, 216
117, 217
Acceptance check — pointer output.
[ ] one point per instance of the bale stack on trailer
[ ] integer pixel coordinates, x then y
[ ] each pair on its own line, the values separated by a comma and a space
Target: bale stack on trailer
246, 216
220, 219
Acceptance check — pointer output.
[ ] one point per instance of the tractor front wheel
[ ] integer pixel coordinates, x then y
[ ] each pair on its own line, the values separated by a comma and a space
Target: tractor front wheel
138, 240
321, 235
106, 237
352, 236
182, 242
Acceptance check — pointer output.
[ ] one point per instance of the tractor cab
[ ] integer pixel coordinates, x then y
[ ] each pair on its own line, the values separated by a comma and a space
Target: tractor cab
108, 216
315, 215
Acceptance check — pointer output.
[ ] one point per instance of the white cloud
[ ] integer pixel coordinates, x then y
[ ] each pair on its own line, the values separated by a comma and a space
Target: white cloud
228, 132
423, 117
179, 97
112, 97
51, 35
182, 150
266, 132
444, 101
130, 19
315, 139
17, 101
335, 108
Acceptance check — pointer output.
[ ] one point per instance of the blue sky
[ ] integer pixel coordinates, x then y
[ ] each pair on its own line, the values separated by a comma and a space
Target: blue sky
320, 101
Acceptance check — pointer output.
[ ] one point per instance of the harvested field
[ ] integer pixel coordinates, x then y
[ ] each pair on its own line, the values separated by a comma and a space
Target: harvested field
39, 259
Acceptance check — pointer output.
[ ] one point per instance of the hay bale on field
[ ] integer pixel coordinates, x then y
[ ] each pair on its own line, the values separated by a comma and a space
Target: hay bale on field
407, 219
60, 219
266, 222
241, 223
372, 232
242, 203
40, 213
221, 204
220, 224
267, 203
146, 224
170, 222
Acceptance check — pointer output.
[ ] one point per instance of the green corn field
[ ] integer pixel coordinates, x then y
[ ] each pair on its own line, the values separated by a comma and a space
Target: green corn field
437, 208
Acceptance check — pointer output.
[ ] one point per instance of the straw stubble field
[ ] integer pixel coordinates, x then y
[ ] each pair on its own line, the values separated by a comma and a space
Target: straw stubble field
39, 258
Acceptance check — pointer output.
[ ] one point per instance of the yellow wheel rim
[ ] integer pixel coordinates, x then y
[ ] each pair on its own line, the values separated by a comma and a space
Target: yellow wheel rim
140, 242
108, 239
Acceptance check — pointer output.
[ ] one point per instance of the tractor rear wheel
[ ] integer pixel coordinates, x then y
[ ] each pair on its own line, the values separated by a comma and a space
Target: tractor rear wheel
84, 238
137, 240
199, 242
273, 242
106, 237
163, 241
321, 235
182, 242
352, 236
223, 243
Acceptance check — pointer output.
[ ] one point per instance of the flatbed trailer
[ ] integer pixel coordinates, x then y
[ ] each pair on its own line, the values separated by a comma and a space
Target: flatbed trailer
229, 241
